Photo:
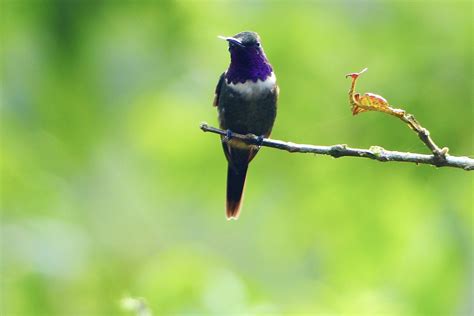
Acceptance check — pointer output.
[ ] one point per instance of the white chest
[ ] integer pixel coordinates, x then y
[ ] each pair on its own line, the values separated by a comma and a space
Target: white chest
249, 88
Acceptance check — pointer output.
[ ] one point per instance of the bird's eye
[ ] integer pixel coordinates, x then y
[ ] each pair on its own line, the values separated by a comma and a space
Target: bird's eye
258, 44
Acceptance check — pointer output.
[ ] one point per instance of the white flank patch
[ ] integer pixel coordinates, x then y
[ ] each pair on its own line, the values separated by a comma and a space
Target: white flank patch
249, 88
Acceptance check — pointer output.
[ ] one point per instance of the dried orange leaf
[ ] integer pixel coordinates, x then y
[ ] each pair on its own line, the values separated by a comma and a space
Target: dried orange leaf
369, 101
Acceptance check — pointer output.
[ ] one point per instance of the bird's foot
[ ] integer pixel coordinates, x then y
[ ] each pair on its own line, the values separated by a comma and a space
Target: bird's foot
260, 140
228, 136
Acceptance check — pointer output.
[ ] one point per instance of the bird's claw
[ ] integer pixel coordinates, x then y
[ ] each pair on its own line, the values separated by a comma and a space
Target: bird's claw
228, 136
260, 140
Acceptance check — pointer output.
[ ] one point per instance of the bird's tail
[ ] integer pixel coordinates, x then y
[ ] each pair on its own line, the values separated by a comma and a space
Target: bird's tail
235, 189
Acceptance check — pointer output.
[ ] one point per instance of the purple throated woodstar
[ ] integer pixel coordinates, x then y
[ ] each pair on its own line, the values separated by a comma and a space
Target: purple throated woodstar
246, 99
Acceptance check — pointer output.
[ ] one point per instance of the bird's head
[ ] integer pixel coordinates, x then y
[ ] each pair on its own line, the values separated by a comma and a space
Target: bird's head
248, 61
244, 45
242, 40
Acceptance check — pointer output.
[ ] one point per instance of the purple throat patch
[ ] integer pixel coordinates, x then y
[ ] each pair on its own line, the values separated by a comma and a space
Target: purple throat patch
248, 64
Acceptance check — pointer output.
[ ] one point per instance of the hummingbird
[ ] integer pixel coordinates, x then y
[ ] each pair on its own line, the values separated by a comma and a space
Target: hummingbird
246, 99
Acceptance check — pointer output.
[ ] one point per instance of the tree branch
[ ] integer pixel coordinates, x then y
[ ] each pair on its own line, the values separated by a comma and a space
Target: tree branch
341, 150
364, 103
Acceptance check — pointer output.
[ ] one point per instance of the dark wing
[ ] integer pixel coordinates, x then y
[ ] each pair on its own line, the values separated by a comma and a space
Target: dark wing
218, 89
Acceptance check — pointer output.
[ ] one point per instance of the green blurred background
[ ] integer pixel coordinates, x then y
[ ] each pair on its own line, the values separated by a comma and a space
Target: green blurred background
110, 190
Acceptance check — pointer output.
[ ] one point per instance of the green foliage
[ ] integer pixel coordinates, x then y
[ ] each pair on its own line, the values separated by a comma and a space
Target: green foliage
109, 189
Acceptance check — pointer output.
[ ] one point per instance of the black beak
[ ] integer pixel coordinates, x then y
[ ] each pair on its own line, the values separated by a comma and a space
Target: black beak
232, 40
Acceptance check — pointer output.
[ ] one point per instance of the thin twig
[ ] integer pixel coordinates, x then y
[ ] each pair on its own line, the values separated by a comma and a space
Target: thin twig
336, 151
374, 102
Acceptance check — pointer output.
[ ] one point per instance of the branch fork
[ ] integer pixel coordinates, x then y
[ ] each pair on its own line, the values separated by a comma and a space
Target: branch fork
375, 102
